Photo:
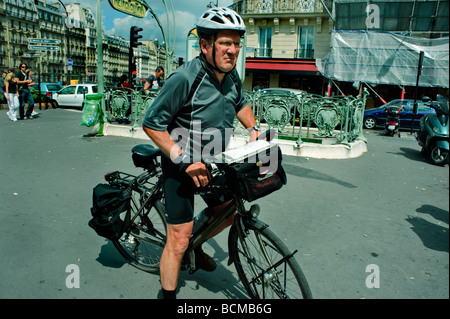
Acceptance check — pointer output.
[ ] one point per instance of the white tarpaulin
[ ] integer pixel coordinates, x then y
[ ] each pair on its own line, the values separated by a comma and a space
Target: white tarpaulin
385, 58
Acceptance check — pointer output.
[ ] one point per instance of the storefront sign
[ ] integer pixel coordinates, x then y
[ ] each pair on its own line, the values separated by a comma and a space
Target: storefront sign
136, 8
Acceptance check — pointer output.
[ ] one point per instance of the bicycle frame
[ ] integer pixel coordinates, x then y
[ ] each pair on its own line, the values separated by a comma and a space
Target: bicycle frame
199, 238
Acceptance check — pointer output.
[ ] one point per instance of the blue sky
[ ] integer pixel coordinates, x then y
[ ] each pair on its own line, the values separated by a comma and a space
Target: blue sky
186, 15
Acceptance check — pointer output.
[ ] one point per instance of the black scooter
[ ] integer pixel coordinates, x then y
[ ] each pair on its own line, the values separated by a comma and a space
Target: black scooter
433, 134
392, 120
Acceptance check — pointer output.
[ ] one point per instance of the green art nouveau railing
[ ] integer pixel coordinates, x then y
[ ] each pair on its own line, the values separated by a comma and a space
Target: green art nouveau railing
295, 115
119, 100
340, 117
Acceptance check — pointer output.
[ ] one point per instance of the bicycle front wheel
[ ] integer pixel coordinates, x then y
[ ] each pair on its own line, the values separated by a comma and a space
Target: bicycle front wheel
143, 243
266, 267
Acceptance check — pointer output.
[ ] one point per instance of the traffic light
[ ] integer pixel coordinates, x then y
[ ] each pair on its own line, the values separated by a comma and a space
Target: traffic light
134, 37
134, 43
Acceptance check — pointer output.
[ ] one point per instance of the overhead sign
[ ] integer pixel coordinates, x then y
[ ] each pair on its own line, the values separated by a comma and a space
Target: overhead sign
43, 47
43, 41
136, 8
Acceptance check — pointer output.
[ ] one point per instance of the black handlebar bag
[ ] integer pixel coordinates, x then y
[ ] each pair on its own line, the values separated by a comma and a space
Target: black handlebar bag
259, 175
110, 211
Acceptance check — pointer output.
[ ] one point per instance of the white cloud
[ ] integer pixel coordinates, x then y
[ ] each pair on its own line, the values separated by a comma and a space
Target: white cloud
186, 15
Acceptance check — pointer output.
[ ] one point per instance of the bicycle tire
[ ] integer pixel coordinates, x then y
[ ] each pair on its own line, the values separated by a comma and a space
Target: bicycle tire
143, 243
255, 254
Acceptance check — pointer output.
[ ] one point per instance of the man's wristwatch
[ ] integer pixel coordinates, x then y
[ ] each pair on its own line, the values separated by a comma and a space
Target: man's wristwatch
254, 128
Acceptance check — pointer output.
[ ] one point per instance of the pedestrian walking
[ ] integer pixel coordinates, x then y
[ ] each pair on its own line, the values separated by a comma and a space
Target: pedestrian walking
12, 95
30, 98
24, 92
2, 87
154, 80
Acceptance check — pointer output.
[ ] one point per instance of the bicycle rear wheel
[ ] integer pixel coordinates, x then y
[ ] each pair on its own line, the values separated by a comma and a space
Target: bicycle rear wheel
266, 267
143, 244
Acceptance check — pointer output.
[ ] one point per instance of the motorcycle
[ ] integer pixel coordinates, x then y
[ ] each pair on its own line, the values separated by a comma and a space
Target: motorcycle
392, 120
433, 134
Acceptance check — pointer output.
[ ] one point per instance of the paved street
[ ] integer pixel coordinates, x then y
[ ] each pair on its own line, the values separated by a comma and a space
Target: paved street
388, 208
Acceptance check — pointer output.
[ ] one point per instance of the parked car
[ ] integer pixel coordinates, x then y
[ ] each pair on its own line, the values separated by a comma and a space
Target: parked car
74, 95
47, 90
377, 117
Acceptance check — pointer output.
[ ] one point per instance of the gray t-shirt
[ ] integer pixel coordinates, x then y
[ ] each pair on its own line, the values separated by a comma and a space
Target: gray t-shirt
202, 125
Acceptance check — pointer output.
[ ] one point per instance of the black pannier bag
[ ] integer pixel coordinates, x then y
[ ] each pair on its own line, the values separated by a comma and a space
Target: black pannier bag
108, 204
259, 176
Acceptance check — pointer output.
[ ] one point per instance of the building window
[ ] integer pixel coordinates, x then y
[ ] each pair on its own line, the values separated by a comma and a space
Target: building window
265, 43
305, 43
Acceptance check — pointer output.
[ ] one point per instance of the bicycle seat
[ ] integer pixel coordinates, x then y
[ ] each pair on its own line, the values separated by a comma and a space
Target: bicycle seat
144, 155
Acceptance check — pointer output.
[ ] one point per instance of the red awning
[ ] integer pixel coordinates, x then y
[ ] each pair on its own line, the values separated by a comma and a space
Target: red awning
281, 65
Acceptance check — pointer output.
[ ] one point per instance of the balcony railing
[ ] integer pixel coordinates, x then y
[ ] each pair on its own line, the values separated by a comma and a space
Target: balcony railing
263, 53
304, 54
280, 6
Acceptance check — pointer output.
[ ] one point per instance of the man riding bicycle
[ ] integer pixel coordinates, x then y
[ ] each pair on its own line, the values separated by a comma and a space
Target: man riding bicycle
184, 125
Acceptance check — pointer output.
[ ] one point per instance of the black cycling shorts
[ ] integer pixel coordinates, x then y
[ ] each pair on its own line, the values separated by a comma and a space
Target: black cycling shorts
179, 191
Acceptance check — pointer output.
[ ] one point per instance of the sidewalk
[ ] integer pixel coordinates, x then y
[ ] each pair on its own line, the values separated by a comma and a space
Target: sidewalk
328, 149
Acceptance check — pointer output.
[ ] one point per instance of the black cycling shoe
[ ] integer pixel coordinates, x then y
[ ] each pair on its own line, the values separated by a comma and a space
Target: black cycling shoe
203, 261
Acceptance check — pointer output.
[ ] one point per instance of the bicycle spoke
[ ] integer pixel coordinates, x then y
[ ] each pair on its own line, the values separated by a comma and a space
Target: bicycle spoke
145, 241
265, 266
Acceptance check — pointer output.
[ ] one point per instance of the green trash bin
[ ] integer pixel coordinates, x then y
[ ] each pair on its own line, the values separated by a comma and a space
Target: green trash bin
92, 110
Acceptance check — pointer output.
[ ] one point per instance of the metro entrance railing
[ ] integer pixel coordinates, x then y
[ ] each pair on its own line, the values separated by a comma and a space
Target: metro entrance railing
296, 115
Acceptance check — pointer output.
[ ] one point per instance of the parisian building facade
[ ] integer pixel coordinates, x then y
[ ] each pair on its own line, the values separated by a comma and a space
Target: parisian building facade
76, 35
285, 37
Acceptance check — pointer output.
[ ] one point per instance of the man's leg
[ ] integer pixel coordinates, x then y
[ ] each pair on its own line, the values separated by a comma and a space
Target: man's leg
228, 222
21, 104
176, 245
30, 101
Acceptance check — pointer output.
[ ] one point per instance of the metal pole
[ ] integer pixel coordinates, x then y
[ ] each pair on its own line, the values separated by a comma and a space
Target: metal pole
419, 71
67, 40
39, 80
100, 83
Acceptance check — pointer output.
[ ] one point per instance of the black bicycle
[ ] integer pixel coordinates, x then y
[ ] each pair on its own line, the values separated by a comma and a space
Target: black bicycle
266, 267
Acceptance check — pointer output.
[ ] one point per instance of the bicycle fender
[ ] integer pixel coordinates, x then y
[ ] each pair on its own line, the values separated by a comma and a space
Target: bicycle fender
253, 223
248, 223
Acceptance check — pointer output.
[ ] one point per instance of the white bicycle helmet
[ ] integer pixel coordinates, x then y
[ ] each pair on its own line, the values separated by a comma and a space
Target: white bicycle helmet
216, 19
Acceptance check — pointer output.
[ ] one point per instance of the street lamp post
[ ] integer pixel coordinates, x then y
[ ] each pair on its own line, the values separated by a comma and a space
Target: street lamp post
168, 45
67, 39
213, 5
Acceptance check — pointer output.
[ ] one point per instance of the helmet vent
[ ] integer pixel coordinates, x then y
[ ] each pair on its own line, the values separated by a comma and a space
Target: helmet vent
217, 19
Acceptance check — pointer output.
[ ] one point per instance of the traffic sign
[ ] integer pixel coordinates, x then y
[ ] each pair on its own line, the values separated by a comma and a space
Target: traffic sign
69, 62
43, 41
136, 8
32, 55
43, 47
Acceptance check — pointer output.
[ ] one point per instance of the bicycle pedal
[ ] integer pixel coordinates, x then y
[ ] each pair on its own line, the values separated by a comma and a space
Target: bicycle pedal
193, 271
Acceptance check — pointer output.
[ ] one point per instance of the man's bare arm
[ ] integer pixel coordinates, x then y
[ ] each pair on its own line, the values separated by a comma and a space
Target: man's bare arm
246, 117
